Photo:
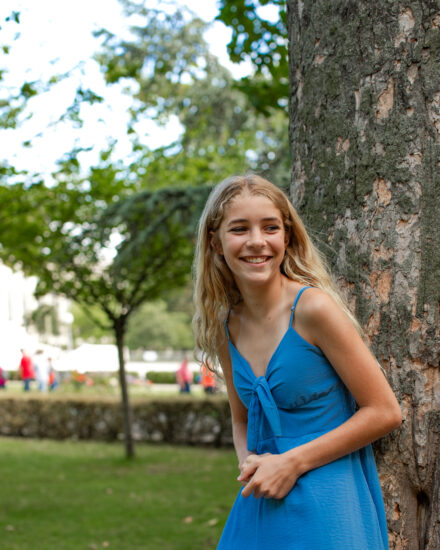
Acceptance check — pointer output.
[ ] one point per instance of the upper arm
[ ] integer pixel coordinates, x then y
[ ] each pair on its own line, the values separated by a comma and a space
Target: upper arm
238, 410
335, 335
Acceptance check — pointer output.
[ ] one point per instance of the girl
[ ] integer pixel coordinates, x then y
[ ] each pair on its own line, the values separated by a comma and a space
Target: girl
294, 365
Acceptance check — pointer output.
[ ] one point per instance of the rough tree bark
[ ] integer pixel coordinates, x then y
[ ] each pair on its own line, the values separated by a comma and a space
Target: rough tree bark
365, 141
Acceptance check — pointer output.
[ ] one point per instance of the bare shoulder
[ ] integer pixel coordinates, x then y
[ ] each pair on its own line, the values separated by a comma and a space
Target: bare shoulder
315, 305
321, 320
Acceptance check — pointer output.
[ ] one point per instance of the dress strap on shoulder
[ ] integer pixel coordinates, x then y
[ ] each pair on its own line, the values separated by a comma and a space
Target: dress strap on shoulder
298, 296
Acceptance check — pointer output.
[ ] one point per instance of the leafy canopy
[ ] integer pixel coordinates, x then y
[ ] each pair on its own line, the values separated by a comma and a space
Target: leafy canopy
262, 42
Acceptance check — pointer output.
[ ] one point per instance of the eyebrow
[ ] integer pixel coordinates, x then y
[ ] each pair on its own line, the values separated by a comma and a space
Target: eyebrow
245, 220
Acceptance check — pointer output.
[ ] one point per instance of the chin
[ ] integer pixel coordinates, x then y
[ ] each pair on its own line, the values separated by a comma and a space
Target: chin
258, 279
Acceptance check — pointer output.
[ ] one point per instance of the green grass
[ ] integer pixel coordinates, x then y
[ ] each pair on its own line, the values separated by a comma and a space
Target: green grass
73, 496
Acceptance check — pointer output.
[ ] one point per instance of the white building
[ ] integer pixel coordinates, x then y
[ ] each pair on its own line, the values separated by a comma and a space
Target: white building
17, 303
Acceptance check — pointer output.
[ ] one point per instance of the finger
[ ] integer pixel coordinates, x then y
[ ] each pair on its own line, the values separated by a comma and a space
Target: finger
247, 472
248, 463
251, 458
243, 479
247, 490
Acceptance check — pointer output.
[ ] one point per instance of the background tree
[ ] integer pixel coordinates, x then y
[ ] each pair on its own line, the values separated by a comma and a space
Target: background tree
365, 112
154, 327
13, 104
263, 42
168, 67
86, 329
115, 258
62, 228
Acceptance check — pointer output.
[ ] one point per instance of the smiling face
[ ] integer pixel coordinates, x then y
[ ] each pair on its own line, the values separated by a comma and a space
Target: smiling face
252, 239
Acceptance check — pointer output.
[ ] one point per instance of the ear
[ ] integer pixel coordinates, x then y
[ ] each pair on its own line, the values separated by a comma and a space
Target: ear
214, 242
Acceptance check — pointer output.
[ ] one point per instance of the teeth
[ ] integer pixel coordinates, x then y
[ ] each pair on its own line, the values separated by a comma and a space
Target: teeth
258, 260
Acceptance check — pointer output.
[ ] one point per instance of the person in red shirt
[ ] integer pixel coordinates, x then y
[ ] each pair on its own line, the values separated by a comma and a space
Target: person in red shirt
184, 376
26, 370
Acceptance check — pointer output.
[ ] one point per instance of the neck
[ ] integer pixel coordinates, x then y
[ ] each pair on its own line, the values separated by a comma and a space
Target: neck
260, 300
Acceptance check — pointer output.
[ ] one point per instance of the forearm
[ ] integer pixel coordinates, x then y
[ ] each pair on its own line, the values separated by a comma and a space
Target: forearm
364, 427
239, 434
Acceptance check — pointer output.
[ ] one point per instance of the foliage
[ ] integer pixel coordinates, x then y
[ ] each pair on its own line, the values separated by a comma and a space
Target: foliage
159, 377
262, 42
99, 250
14, 99
86, 329
83, 485
12, 106
119, 234
181, 299
169, 65
116, 256
45, 319
39, 221
154, 327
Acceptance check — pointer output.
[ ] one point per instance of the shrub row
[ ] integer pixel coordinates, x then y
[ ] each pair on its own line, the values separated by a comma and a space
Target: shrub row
159, 377
174, 420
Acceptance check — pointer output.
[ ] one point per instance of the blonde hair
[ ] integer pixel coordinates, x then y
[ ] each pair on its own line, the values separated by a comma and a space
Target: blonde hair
215, 289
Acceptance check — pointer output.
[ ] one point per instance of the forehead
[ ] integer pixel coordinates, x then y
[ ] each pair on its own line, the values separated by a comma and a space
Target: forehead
247, 206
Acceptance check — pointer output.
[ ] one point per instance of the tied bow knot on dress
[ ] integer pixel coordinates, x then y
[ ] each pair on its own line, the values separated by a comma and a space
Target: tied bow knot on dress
262, 403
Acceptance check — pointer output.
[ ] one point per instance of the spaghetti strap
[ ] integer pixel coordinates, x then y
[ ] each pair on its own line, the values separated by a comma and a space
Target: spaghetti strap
301, 290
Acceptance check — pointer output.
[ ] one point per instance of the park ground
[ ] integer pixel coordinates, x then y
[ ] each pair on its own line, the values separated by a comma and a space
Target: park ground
86, 495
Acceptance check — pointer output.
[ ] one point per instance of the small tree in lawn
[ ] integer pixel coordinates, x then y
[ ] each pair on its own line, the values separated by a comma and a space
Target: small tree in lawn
131, 252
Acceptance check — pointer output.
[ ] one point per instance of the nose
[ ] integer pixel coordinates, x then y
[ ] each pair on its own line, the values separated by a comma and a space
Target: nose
256, 238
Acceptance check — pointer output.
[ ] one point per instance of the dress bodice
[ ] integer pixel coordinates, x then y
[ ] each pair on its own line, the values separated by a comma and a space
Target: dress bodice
299, 388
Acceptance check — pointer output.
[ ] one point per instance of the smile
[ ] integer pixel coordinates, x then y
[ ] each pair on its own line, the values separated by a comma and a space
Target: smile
255, 259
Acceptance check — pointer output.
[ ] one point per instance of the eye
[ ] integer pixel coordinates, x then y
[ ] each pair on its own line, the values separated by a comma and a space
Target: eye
272, 228
238, 229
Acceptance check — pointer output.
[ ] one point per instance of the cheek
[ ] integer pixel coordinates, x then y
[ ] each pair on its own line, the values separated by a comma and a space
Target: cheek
280, 243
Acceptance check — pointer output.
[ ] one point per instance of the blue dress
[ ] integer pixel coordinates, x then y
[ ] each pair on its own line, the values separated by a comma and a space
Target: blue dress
337, 506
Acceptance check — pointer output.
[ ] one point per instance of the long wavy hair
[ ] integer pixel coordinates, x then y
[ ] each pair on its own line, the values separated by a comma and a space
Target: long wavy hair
215, 290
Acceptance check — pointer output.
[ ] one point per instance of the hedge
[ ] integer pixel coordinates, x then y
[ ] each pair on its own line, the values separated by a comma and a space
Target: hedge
161, 377
172, 420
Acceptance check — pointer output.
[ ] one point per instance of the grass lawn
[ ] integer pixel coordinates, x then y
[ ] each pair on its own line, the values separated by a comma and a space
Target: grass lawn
86, 495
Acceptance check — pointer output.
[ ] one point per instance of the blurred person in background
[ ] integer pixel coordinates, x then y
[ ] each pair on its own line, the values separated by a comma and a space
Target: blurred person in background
208, 380
41, 368
2, 379
26, 370
184, 376
53, 375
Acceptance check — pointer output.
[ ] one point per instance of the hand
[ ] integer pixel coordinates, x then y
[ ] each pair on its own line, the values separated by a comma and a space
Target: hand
268, 475
243, 478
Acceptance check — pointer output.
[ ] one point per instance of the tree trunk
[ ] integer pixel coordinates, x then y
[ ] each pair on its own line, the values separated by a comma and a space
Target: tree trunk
119, 328
364, 132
